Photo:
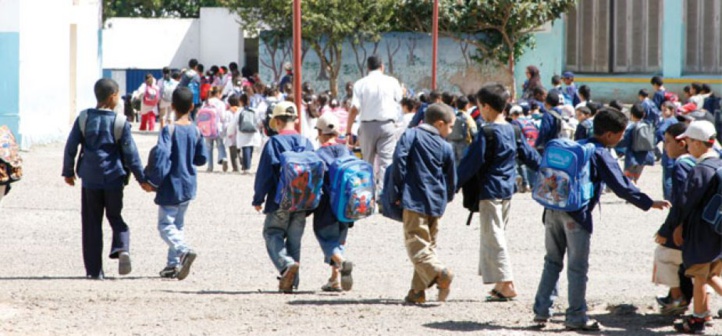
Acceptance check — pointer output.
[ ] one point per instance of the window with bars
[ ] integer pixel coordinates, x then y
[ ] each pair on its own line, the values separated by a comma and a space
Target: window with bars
703, 37
614, 36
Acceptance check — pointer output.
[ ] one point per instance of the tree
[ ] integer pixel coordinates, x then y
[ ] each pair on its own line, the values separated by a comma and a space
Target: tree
500, 30
156, 8
327, 24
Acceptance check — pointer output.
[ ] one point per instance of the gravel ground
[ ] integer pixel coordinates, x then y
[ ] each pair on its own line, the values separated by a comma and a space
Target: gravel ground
232, 287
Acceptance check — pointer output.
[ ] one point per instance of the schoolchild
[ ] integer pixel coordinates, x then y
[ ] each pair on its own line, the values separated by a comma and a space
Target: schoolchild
570, 232
668, 119
634, 159
585, 126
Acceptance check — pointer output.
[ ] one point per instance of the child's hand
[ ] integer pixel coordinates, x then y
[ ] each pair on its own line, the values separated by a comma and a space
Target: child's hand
660, 240
70, 181
677, 236
258, 208
661, 205
147, 187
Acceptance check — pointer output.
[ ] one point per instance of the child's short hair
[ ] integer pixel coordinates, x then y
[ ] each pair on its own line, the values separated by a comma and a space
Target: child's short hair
656, 80
706, 88
617, 104
193, 63
594, 107
687, 89
472, 99
104, 88
556, 80
447, 98
437, 112
609, 119
643, 93
697, 87
533, 105
538, 93
552, 99
215, 90
461, 102
166, 71
669, 106
411, 104
676, 130
434, 95
243, 99
494, 95
182, 99
584, 110
233, 100
637, 111
585, 91
175, 75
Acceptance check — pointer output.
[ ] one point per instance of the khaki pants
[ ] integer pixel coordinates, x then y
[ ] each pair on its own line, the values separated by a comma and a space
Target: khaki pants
494, 259
420, 235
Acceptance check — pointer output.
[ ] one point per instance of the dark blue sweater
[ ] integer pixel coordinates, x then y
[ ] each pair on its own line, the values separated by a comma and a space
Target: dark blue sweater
604, 168
549, 128
497, 178
680, 172
171, 164
269, 168
424, 179
658, 99
701, 243
99, 164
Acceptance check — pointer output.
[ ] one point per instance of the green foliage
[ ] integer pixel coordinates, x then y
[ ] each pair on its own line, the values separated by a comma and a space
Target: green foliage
156, 8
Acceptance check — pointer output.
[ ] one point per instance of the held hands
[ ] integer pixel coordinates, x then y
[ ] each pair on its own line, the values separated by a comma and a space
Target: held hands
70, 181
677, 236
258, 208
147, 187
661, 205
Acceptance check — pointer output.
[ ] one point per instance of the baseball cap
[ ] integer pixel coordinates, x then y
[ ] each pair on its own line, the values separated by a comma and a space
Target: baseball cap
516, 109
282, 109
287, 66
328, 123
568, 74
701, 130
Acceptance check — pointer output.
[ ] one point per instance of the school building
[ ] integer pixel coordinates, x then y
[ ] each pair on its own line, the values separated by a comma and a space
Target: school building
616, 46
49, 61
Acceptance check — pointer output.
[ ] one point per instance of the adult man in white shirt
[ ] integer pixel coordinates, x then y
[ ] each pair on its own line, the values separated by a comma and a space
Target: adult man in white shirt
376, 101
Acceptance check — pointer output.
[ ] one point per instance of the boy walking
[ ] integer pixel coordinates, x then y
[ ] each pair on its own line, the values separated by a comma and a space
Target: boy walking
639, 144
424, 180
172, 174
571, 231
701, 244
491, 157
107, 146
282, 229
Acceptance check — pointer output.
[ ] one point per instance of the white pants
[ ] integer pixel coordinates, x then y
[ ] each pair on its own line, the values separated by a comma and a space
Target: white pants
666, 265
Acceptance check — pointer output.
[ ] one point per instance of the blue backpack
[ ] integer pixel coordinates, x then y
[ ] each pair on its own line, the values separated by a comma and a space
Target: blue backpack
196, 90
301, 180
389, 208
563, 181
712, 212
352, 189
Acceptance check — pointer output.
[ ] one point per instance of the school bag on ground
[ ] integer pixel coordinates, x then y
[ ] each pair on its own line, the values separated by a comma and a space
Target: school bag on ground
206, 121
300, 181
643, 137
352, 189
712, 212
247, 121
151, 96
460, 131
118, 127
11, 164
563, 181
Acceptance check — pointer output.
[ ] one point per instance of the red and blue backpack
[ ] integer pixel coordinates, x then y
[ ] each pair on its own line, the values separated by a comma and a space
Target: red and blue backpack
301, 180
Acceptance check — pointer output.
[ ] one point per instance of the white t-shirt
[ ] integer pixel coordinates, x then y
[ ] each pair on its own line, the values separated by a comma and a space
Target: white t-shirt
377, 97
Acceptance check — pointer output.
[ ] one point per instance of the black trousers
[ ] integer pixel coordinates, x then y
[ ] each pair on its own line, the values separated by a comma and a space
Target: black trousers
95, 204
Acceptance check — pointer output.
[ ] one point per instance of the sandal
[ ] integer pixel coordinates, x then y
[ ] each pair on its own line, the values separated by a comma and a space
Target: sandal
691, 325
497, 296
332, 286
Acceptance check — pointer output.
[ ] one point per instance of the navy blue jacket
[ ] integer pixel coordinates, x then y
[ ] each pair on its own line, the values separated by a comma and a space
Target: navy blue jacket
701, 243
424, 179
323, 215
171, 164
659, 135
497, 178
652, 114
583, 130
632, 158
680, 172
605, 169
99, 164
269, 168
419, 116
549, 128
658, 99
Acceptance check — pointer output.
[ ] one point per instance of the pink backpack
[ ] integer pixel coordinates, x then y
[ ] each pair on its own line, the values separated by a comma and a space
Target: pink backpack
151, 97
206, 121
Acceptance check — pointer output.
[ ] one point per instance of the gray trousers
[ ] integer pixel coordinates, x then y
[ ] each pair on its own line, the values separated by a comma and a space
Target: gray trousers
494, 259
377, 138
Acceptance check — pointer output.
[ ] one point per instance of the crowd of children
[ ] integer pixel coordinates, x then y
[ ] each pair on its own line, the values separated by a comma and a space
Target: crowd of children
480, 144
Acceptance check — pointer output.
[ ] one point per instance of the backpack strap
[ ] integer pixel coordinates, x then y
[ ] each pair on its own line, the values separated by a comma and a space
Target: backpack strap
118, 124
82, 120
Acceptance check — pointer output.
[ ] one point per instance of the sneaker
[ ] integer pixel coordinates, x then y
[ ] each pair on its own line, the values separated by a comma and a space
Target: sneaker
664, 300
691, 325
225, 165
124, 266
169, 272
540, 322
415, 297
100, 276
332, 286
590, 325
346, 278
285, 285
186, 260
443, 283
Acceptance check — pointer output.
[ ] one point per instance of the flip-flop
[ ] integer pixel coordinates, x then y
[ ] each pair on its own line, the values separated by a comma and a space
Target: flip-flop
497, 296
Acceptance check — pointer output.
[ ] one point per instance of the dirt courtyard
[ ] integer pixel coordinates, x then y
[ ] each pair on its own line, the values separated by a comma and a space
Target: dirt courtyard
232, 286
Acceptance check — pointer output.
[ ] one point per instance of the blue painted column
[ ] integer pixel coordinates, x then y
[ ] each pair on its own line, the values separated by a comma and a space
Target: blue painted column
672, 38
10, 69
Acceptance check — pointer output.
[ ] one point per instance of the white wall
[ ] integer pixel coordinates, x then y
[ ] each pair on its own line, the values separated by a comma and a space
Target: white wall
222, 37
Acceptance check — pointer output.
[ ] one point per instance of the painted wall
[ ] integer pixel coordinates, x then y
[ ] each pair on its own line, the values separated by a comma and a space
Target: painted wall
40, 111
133, 43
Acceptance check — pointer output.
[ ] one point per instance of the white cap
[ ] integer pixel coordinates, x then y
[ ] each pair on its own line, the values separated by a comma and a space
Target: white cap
328, 123
701, 130
516, 109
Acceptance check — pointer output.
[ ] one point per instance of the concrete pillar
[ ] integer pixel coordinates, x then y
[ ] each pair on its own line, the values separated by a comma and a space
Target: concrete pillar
673, 38
10, 65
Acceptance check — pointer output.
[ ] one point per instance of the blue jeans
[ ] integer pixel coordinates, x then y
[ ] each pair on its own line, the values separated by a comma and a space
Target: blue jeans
283, 231
563, 234
221, 150
332, 239
667, 182
246, 155
171, 219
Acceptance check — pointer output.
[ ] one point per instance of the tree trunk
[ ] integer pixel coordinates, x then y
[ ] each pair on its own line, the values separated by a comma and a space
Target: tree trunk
511, 72
335, 67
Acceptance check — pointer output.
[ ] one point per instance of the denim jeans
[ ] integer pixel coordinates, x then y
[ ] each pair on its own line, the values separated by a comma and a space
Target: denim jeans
246, 155
563, 234
221, 150
283, 231
667, 182
171, 219
332, 239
